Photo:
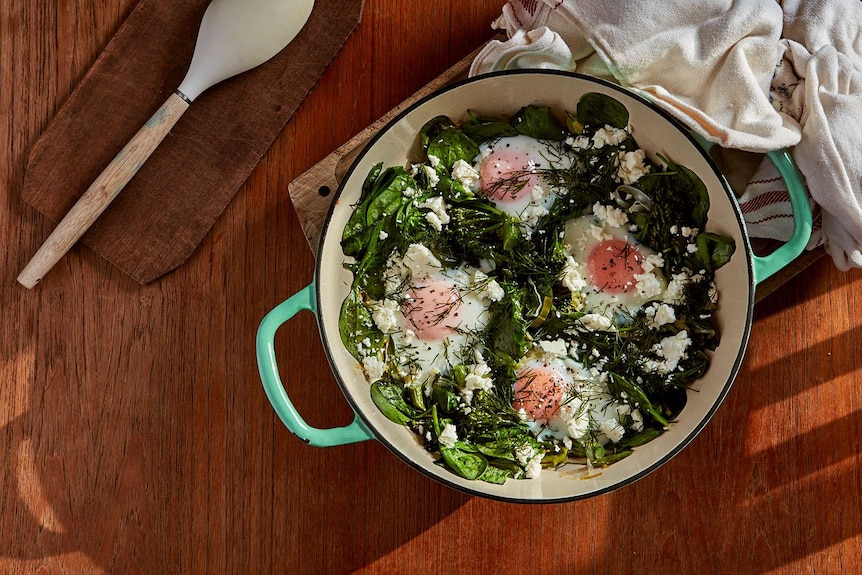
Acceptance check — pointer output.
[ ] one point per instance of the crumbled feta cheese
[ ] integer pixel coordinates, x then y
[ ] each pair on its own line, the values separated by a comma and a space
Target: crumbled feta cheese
672, 349
395, 274
576, 417
493, 291
713, 293
437, 217
612, 429
647, 285
420, 261
691, 248
448, 436
631, 166
572, 277
374, 368
466, 174
598, 375
675, 291
434, 220
552, 349
524, 453
659, 314
532, 214
637, 420
609, 136
385, 315
652, 262
490, 289
477, 380
534, 468
433, 160
433, 178
596, 322
382, 235
614, 217
578, 143
406, 337
409, 192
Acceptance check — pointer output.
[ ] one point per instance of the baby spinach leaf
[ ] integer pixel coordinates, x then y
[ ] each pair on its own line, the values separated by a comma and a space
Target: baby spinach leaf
355, 324
637, 395
699, 196
389, 399
467, 465
599, 109
448, 143
496, 450
445, 398
494, 475
368, 183
713, 250
450, 146
507, 328
385, 196
538, 122
486, 130
433, 128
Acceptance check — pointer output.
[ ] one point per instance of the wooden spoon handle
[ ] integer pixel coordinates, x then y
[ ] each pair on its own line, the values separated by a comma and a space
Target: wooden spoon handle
103, 190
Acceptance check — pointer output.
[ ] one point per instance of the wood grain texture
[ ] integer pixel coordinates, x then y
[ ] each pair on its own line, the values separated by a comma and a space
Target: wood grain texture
312, 191
175, 198
103, 190
137, 437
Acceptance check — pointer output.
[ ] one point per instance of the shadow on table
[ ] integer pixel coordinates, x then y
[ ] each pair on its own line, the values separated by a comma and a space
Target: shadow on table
138, 462
739, 500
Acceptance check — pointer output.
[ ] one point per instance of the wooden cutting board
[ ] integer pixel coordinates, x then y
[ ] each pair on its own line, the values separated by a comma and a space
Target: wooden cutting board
168, 207
312, 192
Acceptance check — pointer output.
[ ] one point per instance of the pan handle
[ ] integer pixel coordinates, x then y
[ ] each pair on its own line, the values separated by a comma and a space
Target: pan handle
303, 300
765, 266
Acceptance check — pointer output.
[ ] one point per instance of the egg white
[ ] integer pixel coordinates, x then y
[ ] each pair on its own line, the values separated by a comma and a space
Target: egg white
586, 402
582, 236
528, 154
419, 357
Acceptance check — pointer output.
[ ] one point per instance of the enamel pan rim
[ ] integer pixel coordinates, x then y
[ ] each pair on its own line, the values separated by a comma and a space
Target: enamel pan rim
734, 370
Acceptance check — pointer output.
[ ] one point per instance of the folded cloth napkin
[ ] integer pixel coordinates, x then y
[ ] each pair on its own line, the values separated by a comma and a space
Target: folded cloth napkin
744, 74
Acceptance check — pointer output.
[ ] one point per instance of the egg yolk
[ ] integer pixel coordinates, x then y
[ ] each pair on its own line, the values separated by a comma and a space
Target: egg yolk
613, 265
433, 309
539, 391
506, 175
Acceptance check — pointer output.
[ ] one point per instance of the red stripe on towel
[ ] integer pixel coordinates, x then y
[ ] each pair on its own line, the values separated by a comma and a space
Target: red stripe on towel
765, 199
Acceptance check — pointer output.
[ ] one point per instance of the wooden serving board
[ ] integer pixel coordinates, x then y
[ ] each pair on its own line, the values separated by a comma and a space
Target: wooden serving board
312, 192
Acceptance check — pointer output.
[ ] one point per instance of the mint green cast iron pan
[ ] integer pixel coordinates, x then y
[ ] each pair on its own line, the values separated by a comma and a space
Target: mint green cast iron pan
502, 94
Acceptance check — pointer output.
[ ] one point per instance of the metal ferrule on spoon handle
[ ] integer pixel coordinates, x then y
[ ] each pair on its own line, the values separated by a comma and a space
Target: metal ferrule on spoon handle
104, 189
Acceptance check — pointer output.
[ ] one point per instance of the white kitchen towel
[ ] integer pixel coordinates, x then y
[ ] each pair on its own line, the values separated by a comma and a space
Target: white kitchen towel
749, 74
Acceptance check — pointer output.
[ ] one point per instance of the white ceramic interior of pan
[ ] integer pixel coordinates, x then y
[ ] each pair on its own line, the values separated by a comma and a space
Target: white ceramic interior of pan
502, 95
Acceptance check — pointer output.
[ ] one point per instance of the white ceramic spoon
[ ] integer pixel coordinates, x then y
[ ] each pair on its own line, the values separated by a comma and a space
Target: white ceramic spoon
234, 36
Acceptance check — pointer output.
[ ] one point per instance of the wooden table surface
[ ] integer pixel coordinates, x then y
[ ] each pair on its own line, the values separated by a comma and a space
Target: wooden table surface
136, 437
